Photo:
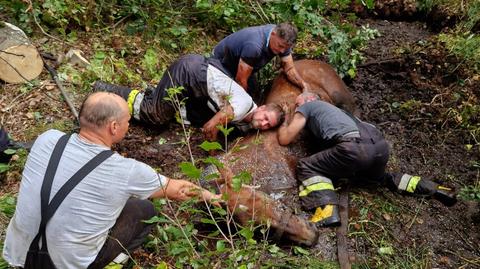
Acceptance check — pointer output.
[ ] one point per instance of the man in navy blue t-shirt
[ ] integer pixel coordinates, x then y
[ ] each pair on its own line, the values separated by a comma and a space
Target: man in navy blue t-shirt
246, 51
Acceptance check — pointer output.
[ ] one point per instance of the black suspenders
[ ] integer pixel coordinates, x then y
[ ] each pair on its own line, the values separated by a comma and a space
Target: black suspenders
48, 209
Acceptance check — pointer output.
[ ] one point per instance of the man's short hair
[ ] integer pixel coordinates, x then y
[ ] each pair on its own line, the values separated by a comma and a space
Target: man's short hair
287, 32
97, 112
310, 96
278, 111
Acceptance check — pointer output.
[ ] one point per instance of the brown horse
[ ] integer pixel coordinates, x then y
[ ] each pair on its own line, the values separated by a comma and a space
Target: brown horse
273, 166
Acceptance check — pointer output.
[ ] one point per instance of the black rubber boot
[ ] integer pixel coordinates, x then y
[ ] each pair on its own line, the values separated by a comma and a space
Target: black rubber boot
326, 216
423, 188
445, 195
101, 86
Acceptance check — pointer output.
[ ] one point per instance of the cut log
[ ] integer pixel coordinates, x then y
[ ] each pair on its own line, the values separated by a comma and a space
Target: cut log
19, 59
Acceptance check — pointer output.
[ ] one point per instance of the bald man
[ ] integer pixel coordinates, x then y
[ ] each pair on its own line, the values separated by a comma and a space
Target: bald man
107, 206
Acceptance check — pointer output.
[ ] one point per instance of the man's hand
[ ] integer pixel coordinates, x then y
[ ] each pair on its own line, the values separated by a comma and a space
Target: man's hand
306, 87
210, 130
182, 190
188, 190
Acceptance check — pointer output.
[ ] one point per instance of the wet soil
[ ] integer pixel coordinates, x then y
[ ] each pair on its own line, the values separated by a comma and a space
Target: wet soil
405, 87
423, 141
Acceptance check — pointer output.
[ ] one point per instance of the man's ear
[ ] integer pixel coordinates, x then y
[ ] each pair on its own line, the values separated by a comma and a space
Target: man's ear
113, 127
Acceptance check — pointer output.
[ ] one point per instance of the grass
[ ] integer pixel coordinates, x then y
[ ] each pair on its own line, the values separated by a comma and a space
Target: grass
7, 208
377, 245
61, 125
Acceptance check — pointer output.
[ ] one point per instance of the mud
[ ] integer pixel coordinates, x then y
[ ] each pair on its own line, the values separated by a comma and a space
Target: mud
422, 139
400, 68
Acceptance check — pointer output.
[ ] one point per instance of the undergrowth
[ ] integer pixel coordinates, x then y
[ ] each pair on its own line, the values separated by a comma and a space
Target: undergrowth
178, 26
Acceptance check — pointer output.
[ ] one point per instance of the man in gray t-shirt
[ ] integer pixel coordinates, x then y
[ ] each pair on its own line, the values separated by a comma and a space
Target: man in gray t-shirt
352, 149
106, 208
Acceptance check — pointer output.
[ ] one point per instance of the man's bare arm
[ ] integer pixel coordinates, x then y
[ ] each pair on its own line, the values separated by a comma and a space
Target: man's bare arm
182, 190
244, 71
287, 132
292, 74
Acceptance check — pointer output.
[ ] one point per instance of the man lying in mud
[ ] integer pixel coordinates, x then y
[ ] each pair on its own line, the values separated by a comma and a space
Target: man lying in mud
102, 215
212, 98
352, 149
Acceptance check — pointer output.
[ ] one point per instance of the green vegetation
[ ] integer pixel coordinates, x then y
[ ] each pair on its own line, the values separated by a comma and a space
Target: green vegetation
372, 227
471, 193
132, 43
177, 27
460, 40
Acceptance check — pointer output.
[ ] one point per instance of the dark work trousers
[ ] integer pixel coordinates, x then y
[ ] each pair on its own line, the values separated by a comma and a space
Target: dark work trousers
189, 72
129, 231
365, 157
4, 143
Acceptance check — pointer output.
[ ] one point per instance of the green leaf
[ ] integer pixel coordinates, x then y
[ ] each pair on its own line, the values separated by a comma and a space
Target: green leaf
100, 55
161, 265
300, 251
10, 151
203, 4
207, 146
236, 184
162, 141
190, 170
214, 161
385, 251
4, 167
205, 220
178, 30
220, 211
156, 219
239, 179
177, 250
247, 233
273, 249
351, 72
213, 234
220, 245
224, 130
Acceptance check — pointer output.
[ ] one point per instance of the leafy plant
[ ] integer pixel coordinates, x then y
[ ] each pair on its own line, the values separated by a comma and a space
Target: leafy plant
465, 46
344, 51
471, 193
7, 205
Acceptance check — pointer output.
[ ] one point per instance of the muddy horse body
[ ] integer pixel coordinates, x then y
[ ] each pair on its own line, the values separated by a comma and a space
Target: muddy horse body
272, 166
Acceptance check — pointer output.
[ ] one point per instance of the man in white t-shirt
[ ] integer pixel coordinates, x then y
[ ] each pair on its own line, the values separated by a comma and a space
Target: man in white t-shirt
106, 208
212, 98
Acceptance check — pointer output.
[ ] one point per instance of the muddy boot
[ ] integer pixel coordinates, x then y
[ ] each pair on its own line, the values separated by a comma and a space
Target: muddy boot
417, 186
326, 216
445, 195
317, 193
101, 86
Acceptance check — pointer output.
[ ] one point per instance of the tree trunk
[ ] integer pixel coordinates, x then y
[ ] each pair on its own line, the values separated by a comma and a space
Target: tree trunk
19, 59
